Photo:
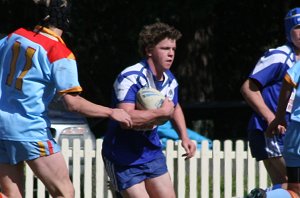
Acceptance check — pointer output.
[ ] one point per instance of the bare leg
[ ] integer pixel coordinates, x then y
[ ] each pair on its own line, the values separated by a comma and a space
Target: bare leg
136, 191
276, 170
53, 172
12, 180
160, 187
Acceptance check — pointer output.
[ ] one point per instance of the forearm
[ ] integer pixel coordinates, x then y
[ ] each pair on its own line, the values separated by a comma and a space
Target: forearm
142, 117
76, 103
178, 122
285, 93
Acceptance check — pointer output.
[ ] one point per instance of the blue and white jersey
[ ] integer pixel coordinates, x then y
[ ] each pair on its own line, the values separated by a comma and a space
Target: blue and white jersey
269, 73
130, 147
34, 66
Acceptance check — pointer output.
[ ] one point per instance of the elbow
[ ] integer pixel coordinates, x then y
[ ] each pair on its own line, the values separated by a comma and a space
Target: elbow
72, 104
243, 89
72, 107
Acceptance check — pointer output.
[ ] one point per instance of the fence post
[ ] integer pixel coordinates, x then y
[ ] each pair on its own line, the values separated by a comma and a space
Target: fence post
228, 169
204, 157
180, 171
240, 155
193, 175
88, 168
76, 167
216, 161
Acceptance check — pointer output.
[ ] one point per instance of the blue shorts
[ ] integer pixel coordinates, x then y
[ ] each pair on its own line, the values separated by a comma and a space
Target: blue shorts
263, 147
13, 152
123, 177
291, 152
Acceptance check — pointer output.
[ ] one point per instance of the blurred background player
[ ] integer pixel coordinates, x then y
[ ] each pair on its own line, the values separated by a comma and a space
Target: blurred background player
261, 91
34, 66
133, 158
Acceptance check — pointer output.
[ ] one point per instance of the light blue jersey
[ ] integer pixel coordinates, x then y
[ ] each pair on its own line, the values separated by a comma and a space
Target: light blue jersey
34, 66
294, 75
129, 147
291, 142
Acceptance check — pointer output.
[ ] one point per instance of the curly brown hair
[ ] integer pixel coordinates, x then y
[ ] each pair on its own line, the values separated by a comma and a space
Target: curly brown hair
152, 34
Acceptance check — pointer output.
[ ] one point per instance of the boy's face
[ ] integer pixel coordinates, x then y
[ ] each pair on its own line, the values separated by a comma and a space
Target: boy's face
295, 36
162, 55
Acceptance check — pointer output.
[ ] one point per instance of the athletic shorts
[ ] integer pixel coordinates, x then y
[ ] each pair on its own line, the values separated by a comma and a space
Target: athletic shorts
291, 152
262, 147
123, 177
13, 152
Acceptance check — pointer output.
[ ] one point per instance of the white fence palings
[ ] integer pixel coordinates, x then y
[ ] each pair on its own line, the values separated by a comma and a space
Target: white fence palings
216, 172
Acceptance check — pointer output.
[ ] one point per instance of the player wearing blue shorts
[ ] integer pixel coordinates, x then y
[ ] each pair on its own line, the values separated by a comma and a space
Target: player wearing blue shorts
291, 140
261, 91
133, 158
34, 66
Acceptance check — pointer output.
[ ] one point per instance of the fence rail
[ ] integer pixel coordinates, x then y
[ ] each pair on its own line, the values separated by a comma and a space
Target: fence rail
227, 170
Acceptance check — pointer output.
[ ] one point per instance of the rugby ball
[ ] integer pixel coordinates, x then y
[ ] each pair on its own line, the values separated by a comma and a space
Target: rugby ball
149, 98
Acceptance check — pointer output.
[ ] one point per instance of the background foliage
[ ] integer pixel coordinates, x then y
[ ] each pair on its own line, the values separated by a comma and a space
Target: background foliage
222, 40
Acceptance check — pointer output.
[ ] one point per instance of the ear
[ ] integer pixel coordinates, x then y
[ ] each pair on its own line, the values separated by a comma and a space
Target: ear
148, 52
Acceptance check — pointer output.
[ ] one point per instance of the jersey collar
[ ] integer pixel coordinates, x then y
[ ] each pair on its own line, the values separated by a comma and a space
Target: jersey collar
47, 32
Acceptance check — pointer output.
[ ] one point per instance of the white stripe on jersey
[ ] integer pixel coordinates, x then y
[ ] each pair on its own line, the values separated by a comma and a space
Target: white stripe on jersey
266, 61
145, 80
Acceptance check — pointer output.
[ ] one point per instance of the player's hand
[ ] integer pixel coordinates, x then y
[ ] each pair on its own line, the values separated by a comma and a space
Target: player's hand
276, 127
122, 116
189, 147
168, 108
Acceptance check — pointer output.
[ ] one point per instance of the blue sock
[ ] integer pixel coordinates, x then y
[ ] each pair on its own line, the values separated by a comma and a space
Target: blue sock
275, 186
278, 193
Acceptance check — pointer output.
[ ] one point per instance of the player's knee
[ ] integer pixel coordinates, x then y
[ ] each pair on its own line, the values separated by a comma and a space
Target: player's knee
69, 192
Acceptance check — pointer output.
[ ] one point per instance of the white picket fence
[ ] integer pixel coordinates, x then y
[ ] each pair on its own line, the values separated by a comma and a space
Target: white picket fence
227, 170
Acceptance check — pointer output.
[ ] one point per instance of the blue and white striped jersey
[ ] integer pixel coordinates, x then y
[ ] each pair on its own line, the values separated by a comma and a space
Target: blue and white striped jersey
33, 67
129, 147
269, 73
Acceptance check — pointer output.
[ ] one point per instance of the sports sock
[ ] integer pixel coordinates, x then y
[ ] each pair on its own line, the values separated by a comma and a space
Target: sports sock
279, 193
275, 186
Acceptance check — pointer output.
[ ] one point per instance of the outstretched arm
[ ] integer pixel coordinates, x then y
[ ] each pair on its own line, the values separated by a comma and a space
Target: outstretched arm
147, 119
76, 103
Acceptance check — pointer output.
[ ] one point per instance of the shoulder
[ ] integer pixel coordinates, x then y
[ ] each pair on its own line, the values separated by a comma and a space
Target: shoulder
278, 56
59, 51
134, 72
284, 50
54, 49
135, 69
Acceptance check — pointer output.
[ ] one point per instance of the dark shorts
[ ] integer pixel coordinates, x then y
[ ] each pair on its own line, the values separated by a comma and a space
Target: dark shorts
263, 147
123, 177
13, 152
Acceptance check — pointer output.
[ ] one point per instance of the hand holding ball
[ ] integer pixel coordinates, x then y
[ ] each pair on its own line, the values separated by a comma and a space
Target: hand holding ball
150, 98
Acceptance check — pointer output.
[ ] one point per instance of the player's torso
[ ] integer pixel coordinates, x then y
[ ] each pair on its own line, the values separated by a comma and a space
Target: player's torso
269, 72
139, 146
26, 84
